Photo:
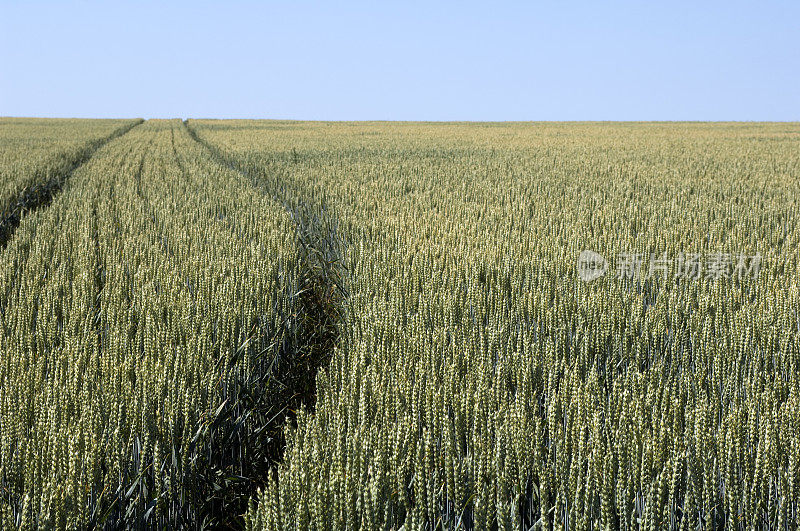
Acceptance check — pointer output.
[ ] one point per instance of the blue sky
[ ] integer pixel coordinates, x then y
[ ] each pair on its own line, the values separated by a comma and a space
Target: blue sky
403, 60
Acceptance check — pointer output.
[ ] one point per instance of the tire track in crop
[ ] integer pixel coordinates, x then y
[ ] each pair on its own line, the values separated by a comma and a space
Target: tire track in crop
308, 337
41, 195
322, 282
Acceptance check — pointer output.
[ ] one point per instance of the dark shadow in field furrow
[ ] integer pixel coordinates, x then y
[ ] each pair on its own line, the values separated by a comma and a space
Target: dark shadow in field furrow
235, 448
249, 428
41, 194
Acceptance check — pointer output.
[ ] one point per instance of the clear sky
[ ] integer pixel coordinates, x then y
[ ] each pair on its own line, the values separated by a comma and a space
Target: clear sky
404, 60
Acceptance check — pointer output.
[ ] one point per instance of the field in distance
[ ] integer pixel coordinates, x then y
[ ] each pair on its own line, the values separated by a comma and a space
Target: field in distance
276, 324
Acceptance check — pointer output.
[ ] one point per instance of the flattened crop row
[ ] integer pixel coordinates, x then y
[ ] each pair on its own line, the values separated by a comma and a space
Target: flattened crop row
146, 318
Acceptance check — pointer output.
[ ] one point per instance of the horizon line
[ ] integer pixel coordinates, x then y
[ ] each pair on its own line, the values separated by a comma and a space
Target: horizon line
383, 120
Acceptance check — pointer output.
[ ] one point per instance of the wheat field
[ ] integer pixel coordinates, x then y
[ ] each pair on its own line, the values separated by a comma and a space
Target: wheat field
384, 325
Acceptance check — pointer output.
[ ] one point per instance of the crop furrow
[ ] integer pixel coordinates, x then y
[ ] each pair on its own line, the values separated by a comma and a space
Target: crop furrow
40, 195
310, 333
